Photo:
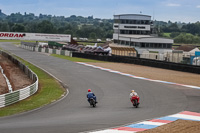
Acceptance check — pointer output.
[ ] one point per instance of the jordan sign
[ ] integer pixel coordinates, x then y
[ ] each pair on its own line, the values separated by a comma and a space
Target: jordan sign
14, 35
35, 36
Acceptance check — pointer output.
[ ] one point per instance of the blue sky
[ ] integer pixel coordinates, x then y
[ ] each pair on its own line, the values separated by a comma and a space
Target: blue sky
162, 10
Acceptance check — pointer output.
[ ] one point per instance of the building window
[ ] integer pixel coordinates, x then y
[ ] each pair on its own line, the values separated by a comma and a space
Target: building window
156, 45
138, 21
116, 26
116, 21
122, 32
134, 32
147, 22
137, 44
127, 43
132, 44
142, 21
141, 27
138, 32
143, 45
144, 33
122, 42
116, 41
128, 21
169, 45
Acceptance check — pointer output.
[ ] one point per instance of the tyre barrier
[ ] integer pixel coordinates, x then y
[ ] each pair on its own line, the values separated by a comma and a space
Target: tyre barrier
18, 95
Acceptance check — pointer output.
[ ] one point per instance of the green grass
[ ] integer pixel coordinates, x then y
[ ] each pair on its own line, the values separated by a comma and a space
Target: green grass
16, 40
167, 34
50, 90
75, 59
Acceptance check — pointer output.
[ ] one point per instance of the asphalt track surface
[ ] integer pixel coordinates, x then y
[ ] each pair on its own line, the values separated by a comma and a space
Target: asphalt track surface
73, 114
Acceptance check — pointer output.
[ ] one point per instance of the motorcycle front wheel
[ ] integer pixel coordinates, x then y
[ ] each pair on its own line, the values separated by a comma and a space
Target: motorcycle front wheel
135, 103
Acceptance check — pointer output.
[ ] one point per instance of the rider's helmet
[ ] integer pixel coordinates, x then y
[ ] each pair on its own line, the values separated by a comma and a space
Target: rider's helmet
89, 90
133, 91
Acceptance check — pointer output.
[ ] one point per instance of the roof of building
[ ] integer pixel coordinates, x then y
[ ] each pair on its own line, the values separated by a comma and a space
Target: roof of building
132, 15
136, 36
186, 48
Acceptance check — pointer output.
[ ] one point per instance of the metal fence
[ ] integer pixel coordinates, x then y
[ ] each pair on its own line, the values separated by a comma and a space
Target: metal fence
18, 95
176, 57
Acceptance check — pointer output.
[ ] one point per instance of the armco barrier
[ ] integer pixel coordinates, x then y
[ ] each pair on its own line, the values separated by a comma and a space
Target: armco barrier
15, 96
141, 61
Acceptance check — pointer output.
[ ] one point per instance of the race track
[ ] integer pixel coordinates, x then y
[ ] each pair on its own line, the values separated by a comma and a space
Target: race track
73, 113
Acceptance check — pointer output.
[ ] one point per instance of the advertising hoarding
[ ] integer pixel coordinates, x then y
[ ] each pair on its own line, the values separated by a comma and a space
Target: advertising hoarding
35, 36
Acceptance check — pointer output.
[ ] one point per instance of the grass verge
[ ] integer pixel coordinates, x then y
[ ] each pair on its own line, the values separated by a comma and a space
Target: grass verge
49, 91
75, 59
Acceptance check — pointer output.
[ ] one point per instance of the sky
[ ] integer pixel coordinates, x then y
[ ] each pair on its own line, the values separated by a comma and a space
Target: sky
160, 10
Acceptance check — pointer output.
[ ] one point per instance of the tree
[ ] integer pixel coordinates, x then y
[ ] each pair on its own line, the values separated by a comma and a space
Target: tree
46, 27
187, 39
174, 34
18, 28
68, 32
193, 28
93, 35
4, 27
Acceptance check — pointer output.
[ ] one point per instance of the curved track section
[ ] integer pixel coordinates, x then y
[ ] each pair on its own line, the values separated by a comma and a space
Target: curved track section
73, 114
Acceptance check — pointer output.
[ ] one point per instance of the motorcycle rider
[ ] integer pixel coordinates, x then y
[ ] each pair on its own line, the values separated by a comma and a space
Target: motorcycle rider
90, 94
133, 94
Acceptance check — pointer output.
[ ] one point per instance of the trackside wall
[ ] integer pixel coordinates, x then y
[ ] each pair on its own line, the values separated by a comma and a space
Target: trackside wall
18, 95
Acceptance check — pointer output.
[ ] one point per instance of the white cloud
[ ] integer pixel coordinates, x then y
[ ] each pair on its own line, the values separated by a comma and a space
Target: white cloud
198, 6
173, 5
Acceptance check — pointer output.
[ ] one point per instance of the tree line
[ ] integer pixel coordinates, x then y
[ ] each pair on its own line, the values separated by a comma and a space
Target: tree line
77, 26
180, 32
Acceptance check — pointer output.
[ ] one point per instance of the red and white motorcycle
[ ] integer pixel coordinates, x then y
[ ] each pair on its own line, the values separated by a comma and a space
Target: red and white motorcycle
135, 101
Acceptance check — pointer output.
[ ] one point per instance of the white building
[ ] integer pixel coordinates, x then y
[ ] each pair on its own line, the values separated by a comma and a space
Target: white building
135, 30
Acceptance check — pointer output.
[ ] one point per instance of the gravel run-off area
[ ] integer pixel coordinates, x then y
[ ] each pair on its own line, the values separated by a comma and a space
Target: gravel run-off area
18, 79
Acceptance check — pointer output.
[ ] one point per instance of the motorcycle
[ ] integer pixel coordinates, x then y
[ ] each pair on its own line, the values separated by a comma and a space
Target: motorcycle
135, 100
92, 102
